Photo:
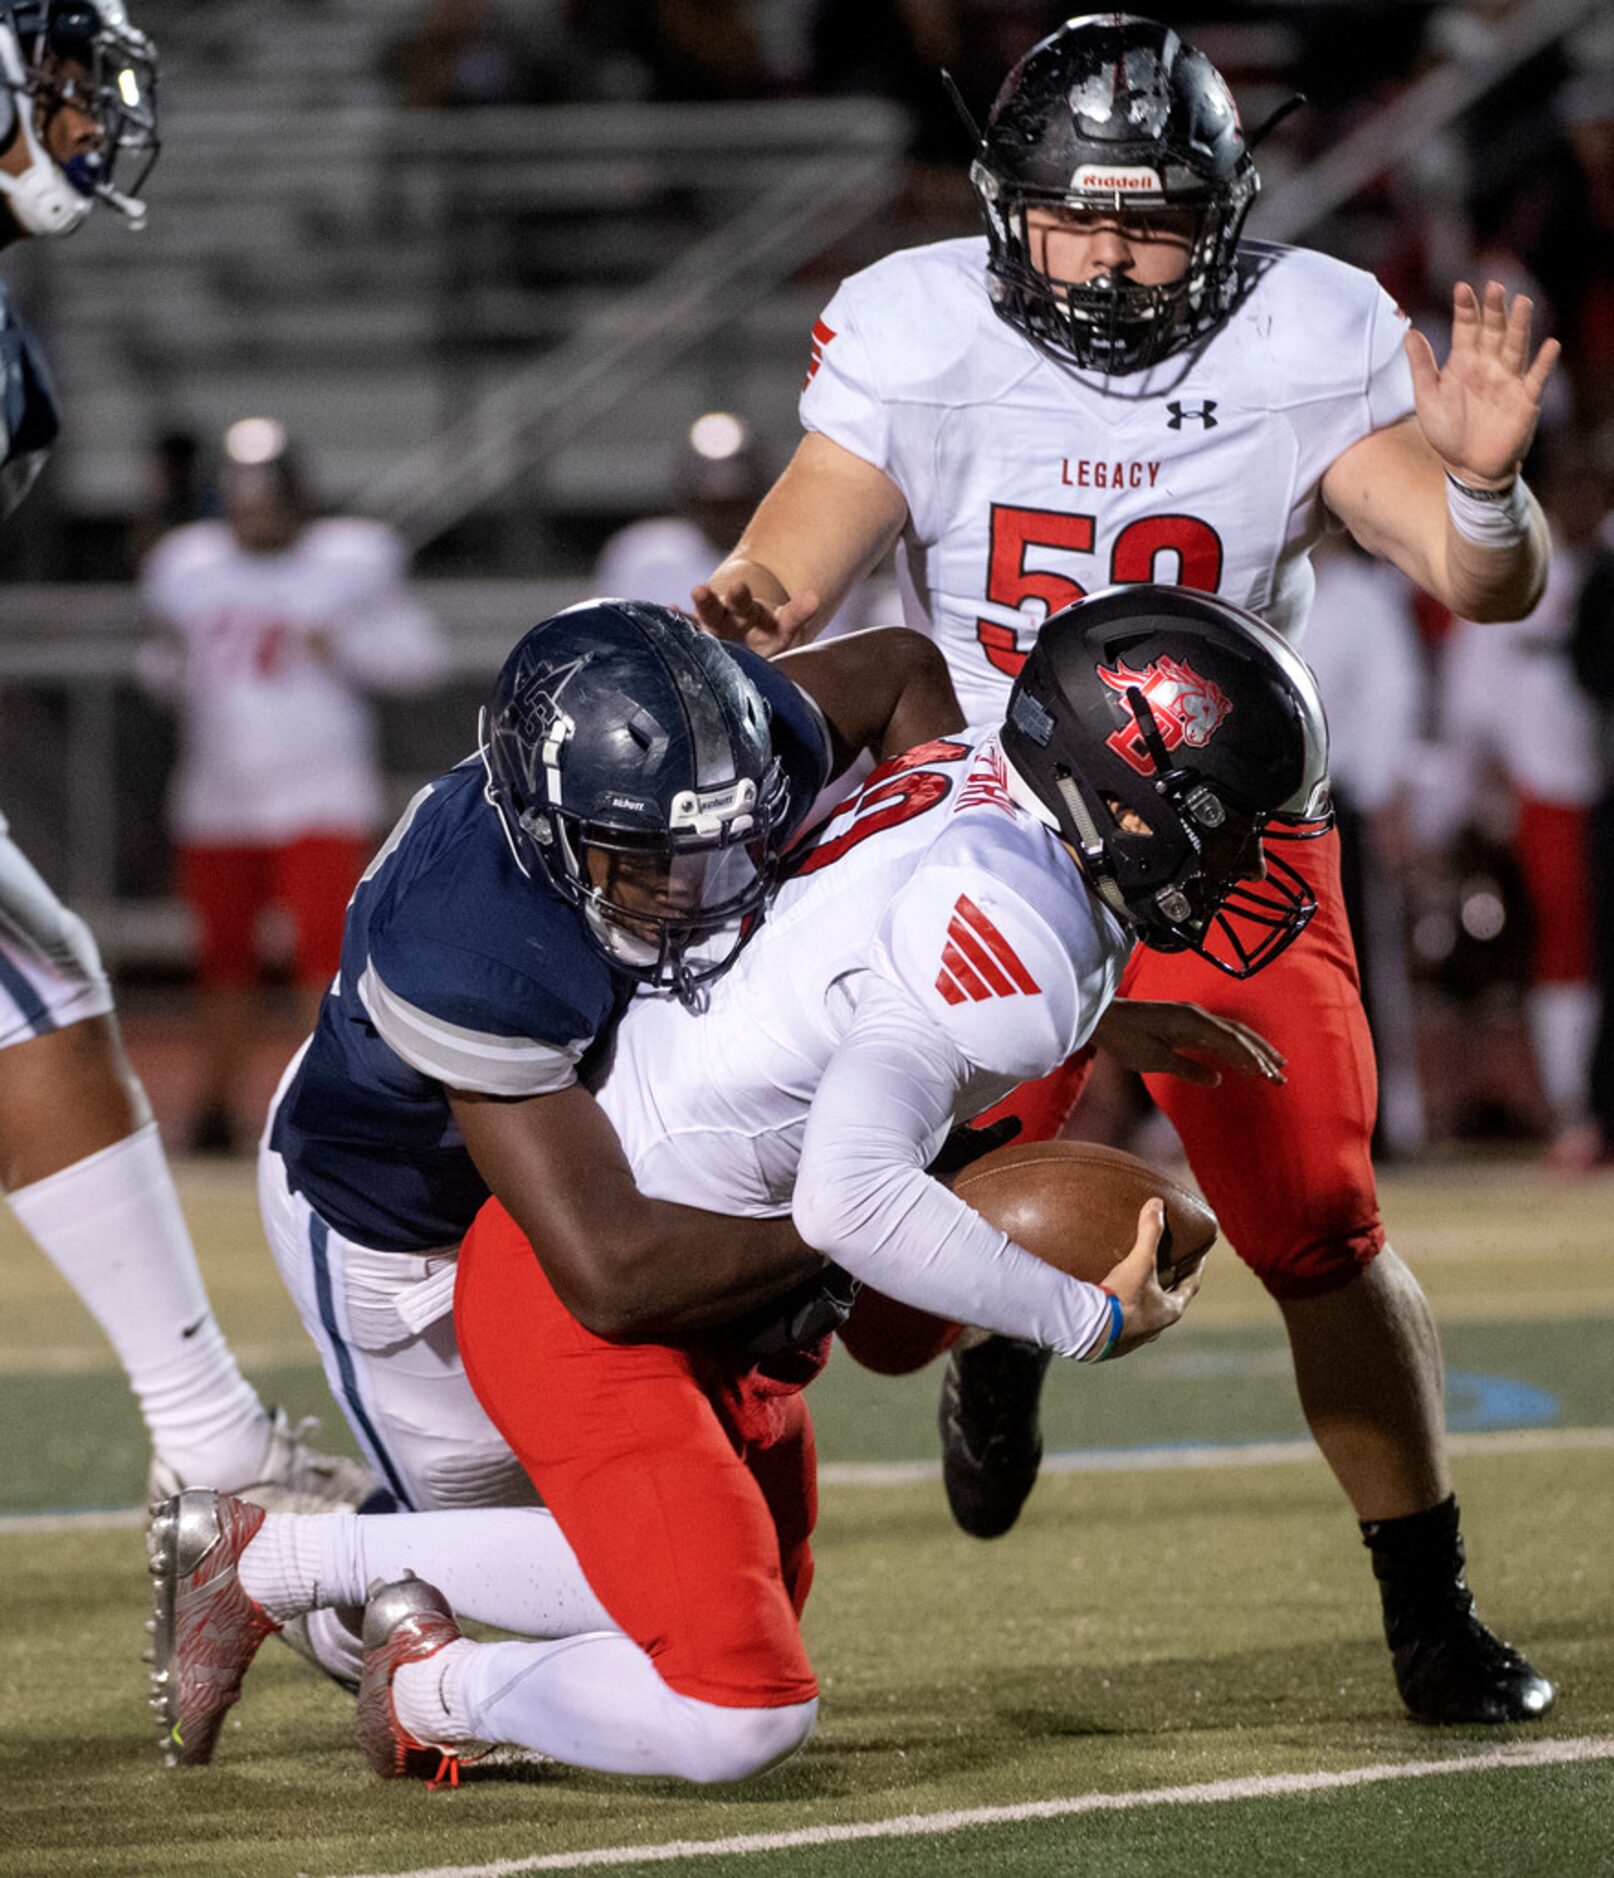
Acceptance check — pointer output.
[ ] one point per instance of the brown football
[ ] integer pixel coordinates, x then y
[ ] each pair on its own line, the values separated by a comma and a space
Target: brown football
1076, 1206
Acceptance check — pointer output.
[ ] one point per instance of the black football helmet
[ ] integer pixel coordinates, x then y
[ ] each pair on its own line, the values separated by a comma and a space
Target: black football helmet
1116, 113
84, 54
630, 759
1200, 719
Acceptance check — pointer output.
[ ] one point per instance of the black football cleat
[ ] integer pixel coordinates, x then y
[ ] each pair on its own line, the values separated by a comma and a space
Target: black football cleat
1448, 1666
1464, 1673
990, 1432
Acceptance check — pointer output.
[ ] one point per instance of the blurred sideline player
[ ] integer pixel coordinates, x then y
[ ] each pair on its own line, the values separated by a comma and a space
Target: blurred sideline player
1362, 645
80, 1160
1511, 703
959, 926
282, 626
721, 480
1111, 387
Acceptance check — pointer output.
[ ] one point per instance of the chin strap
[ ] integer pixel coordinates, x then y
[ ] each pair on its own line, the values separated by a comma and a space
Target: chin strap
42, 201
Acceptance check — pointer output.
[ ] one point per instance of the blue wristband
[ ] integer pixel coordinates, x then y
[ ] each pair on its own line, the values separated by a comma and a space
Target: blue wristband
1116, 1320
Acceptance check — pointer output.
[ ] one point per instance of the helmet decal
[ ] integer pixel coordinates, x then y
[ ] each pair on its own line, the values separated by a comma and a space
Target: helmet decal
1187, 709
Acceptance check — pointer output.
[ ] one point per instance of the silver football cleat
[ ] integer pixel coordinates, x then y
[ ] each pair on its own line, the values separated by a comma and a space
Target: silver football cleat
404, 1622
205, 1629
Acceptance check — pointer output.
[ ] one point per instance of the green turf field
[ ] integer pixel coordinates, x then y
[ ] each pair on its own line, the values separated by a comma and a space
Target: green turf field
1171, 1666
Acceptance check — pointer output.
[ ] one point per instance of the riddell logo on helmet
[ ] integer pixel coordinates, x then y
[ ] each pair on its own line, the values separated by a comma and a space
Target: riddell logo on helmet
1186, 708
1133, 179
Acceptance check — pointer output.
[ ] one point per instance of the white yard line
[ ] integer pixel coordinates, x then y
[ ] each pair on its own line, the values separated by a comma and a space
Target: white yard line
1228, 1454
1082, 1461
937, 1825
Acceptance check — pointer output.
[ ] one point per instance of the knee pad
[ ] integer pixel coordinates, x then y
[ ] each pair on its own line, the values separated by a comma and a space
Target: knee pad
477, 1476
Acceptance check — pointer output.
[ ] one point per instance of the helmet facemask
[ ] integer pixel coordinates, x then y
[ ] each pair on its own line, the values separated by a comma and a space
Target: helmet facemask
58, 55
1111, 323
674, 910
1187, 880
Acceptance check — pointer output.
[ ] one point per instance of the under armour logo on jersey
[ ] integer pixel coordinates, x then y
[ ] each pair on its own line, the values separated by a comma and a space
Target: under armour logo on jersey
977, 961
1187, 413
822, 335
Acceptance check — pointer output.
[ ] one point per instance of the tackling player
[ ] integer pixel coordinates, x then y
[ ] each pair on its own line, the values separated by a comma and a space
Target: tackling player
1112, 386
80, 1160
959, 926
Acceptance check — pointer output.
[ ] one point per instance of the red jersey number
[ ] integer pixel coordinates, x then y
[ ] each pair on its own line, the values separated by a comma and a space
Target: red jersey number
1136, 556
897, 791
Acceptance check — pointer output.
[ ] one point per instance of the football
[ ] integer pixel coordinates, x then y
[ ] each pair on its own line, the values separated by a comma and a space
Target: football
1076, 1206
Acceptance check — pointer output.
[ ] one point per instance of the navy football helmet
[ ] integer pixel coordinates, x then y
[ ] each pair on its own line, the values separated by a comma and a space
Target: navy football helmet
1201, 720
630, 760
83, 55
1118, 114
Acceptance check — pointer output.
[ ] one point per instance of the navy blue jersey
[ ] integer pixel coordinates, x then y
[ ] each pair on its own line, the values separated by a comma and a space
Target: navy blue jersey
460, 972
28, 417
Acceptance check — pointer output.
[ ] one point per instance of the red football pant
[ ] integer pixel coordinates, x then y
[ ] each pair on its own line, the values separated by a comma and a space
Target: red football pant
1287, 1168
694, 1539
228, 887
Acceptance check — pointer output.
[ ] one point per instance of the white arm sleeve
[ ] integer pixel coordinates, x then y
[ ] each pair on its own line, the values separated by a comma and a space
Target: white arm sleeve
863, 1198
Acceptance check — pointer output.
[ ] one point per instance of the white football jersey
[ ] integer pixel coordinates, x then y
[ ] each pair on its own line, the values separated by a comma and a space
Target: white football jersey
938, 900
1029, 483
276, 742
1508, 694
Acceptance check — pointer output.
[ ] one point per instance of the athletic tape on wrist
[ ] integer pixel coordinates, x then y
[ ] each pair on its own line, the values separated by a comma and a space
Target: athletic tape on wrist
1490, 518
1107, 1348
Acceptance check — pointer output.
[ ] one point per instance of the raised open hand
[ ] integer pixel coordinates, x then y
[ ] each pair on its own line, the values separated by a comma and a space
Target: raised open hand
1479, 410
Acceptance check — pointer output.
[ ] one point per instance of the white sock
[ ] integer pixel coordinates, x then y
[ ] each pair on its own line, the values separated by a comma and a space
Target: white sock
1563, 1025
509, 1566
591, 1701
111, 1225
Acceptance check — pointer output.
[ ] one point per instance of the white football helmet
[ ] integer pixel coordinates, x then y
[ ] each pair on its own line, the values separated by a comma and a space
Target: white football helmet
86, 55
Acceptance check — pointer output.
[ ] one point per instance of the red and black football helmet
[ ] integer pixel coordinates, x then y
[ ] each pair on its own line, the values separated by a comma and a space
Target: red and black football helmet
1114, 113
1200, 719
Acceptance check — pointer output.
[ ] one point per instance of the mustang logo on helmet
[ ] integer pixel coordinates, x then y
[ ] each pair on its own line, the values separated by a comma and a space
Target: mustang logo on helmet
1186, 708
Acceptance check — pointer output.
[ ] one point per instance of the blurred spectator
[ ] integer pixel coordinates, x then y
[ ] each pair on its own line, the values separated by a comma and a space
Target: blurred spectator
1585, 251
1593, 650
896, 49
1511, 707
279, 628
706, 50
465, 52
1363, 646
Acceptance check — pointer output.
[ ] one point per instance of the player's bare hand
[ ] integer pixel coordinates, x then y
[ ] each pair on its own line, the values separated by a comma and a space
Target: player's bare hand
1147, 1308
1160, 1038
1479, 410
737, 612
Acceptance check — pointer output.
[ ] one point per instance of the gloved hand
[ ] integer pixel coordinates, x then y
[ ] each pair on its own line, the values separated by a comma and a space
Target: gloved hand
966, 1144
